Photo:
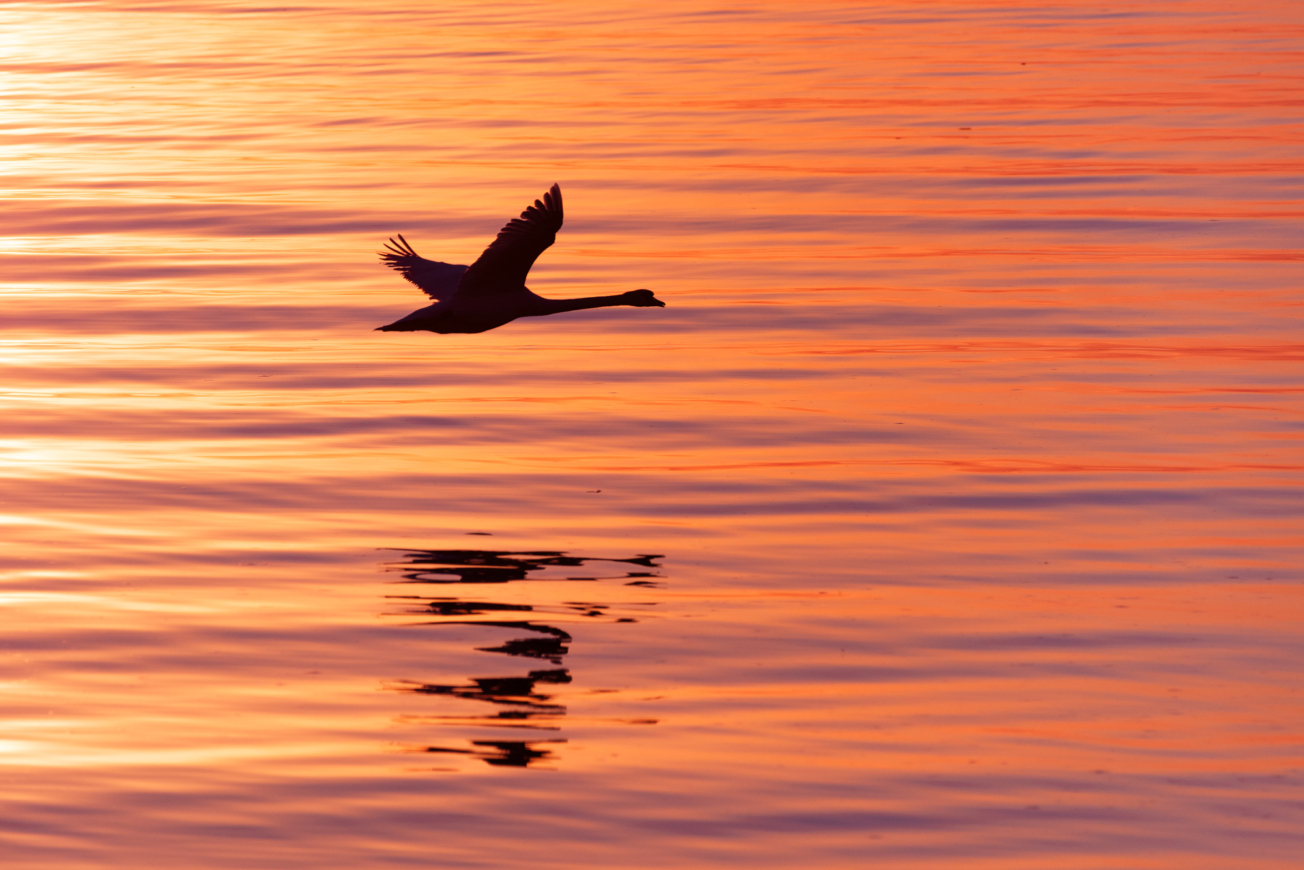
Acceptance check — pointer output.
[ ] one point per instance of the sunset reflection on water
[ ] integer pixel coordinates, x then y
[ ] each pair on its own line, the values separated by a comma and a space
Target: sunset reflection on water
970, 436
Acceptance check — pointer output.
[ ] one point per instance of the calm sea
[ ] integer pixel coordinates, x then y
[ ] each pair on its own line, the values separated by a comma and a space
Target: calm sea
949, 515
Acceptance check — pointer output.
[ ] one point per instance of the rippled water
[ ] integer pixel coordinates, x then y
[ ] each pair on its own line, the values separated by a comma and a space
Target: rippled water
949, 515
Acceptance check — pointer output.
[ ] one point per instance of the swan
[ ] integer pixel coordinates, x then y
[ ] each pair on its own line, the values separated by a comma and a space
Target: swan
491, 291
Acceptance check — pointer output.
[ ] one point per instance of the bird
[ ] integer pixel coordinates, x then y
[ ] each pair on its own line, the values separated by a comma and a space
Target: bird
491, 291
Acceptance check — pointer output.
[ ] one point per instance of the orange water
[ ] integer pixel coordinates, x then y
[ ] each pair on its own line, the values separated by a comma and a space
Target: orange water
948, 516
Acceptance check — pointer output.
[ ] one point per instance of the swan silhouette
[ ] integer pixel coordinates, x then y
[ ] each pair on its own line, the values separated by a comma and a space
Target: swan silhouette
491, 291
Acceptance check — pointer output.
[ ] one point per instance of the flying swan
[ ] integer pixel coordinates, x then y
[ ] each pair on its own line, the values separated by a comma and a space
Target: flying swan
492, 291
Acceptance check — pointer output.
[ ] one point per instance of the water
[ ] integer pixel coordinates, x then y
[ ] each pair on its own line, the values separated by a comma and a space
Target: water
947, 516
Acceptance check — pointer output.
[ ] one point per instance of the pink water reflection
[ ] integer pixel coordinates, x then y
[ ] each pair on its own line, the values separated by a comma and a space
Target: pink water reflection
970, 437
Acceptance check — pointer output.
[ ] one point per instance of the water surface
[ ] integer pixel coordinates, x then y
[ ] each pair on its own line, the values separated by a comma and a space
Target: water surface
947, 516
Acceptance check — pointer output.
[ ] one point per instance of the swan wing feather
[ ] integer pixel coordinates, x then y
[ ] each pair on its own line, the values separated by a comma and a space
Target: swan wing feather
437, 280
505, 263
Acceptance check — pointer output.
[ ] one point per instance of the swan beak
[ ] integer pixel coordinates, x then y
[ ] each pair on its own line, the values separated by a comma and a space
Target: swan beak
651, 300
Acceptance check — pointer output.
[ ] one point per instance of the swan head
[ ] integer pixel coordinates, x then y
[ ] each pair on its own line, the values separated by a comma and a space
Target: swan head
643, 299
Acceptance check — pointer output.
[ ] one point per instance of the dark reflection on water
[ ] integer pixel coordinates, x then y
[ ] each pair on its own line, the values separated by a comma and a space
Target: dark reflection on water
500, 566
528, 701
503, 753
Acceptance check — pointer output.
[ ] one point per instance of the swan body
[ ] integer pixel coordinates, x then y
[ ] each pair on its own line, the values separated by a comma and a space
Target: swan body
491, 291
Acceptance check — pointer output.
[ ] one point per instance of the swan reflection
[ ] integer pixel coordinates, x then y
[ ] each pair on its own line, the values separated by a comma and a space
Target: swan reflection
528, 701
503, 753
504, 566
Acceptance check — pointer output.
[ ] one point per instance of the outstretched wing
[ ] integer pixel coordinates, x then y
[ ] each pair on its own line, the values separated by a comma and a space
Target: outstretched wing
437, 280
505, 263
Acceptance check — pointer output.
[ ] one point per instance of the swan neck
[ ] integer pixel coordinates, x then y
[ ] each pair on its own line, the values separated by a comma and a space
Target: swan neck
555, 306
